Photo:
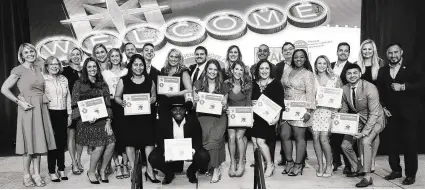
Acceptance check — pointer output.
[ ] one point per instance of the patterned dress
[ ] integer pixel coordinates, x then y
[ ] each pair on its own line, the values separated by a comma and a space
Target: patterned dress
91, 134
322, 115
34, 133
300, 87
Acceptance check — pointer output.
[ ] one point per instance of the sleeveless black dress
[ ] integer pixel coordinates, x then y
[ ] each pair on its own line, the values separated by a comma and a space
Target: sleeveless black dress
138, 130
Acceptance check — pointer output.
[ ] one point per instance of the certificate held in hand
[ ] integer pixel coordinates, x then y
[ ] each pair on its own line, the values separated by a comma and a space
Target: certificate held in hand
344, 123
137, 104
294, 110
240, 117
167, 84
329, 97
266, 108
92, 108
178, 149
209, 103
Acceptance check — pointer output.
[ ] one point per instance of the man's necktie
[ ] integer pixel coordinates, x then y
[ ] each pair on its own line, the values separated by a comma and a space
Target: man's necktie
353, 96
195, 77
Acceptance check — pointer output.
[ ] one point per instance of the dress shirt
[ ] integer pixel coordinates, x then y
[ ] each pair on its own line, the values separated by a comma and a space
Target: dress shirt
201, 69
178, 130
394, 69
338, 67
57, 91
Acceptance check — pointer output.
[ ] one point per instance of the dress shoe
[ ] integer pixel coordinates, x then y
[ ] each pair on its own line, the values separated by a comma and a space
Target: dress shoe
393, 175
168, 179
336, 166
409, 181
364, 182
356, 174
191, 175
346, 170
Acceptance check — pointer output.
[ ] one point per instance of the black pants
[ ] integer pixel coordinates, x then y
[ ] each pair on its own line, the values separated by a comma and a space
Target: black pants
59, 120
336, 141
157, 160
402, 138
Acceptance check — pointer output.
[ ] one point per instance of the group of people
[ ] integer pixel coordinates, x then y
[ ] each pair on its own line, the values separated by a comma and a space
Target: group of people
49, 119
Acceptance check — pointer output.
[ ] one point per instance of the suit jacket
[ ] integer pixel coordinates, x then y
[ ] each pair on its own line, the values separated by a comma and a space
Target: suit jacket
154, 74
344, 69
192, 129
280, 69
367, 106
405, 102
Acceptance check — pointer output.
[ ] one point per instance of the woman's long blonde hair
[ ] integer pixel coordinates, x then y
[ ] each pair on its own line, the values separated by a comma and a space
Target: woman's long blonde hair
375, 59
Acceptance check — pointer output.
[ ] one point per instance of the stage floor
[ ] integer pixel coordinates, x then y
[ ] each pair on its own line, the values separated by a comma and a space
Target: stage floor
11, 176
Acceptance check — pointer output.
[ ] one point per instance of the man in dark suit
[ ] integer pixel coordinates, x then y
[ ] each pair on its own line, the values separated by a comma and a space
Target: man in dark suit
400, 87
340, 66
181, 125
129, 49
263, 53
362, 98
197, 70
287, 50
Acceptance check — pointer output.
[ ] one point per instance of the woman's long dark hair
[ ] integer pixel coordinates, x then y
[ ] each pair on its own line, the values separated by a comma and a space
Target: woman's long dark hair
245, 80
306, 64
257, 69
130, 64
218, 79
85, 76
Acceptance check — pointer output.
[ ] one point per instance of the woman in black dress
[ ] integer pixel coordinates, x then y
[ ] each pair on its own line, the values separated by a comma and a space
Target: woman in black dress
174, 67
263, 131
97, 133
72, 72
369, 61
138, 129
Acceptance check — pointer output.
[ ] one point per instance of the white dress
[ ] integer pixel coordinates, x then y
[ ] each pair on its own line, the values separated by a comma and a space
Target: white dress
322, 115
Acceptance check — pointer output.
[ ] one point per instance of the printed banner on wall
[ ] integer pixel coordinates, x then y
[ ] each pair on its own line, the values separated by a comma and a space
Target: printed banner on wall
315, 25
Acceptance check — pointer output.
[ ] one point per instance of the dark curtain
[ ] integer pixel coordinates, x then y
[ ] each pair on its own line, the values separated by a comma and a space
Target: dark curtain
14, 30
389, 21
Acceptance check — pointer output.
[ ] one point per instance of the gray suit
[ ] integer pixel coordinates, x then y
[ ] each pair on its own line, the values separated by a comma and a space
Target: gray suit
372, 122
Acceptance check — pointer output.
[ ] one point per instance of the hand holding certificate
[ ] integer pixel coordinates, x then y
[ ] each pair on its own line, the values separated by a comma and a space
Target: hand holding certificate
344, 123
167, 84
92, 109
266, 108
209, 103
137, 104
294, 110
329, 97
240, 117
178, 149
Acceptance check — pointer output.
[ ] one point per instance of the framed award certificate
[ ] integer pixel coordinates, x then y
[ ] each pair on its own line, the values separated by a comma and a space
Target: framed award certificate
92, 108
240, 117
294, 110
137, 104
329, 97
266, 108
167, 84
178, 149
188, 97
209, 103
344, 123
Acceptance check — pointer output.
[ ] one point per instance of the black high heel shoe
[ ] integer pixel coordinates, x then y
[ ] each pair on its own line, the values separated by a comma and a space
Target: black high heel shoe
296, 170
92, 182
104, 180
287, 167
150, 179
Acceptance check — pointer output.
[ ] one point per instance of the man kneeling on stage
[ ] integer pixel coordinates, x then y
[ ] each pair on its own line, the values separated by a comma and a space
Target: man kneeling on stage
180, 125
362, 98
